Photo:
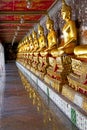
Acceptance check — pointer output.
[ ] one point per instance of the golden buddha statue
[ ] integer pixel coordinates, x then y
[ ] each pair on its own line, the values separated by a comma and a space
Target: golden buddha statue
27, 45
52, 35
34, 52
41, 39
42, 57
52, 45
69, 32
35, 40
31, 47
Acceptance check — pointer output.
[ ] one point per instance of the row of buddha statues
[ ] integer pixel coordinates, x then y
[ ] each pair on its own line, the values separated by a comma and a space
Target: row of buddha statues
55, 62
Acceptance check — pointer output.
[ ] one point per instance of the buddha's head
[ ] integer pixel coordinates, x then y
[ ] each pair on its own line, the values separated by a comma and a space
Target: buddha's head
30, 37
65, 11
26, 40
40, 30
30, 41
49, 23
34, 34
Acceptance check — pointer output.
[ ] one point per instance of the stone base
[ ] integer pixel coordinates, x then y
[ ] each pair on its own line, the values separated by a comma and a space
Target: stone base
78, 78
75, 83
56, 84
77, 98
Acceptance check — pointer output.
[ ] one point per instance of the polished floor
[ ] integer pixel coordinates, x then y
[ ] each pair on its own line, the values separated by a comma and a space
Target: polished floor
23, 108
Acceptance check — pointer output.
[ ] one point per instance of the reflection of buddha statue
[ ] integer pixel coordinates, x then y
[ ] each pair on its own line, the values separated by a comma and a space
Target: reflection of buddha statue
35, 41
69, 31
52, 36
41, 39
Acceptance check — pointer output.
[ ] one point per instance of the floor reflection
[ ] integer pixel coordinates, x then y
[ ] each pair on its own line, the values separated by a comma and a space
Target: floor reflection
53, 118
25, 107
48, 118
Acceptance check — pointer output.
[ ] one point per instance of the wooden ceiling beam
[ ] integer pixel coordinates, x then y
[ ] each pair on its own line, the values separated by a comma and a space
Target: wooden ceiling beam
22, 12
7, 37
15, 28
10, 33
16, 22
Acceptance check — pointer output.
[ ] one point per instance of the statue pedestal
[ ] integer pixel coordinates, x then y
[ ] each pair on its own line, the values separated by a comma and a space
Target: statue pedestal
54, 83
43, 63
35, 62
78, 78
57, 72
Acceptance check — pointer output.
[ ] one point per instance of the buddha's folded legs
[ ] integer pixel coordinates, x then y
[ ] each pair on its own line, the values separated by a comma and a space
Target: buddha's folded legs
81, 51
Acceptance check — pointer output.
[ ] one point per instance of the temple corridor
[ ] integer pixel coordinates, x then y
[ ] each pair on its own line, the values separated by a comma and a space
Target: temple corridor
25, 109
43, 64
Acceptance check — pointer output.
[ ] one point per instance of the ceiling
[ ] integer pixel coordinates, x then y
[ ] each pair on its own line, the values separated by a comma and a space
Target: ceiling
12, 12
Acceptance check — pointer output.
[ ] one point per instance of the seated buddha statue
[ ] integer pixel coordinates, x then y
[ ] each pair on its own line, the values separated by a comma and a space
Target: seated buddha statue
35, 52
41, 39
69, 32
26, 44
52, 41
31, 47
35, 41
52, 35
42, 46
70, 35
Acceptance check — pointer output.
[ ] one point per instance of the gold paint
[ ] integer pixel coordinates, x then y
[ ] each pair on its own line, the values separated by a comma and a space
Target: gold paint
41, 39
81, 51
42, 47
68, 92
35, 40
78, 76
52, 35
31, 43
69, 30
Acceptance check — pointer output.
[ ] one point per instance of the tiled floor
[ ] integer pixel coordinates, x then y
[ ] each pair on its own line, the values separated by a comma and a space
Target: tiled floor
22, 109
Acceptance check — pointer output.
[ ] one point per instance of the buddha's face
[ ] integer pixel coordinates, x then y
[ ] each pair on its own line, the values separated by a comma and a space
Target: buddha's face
40, 32
30, 39
34, 35
65, 15
48, 26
